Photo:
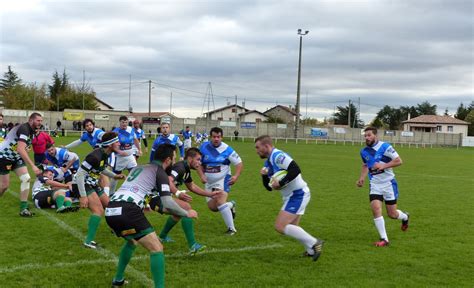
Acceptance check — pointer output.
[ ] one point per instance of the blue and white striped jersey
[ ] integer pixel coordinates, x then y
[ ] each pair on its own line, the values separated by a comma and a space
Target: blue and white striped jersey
187, 134
379, 152
62, 157
216, 160
278, 161
170, 139
126, 137
93, 138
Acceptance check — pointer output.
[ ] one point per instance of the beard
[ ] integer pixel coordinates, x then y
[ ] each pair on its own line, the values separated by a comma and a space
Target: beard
369, 143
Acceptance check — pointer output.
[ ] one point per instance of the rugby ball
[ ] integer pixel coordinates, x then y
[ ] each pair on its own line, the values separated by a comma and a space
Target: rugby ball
277, 176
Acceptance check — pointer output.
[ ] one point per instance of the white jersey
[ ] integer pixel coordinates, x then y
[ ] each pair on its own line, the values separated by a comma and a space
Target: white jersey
278, 161
380, 152
216, 161
140, 183
40, 186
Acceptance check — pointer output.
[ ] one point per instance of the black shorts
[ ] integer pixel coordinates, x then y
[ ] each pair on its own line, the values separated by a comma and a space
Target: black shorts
9, 165
89, 190
127, 220
44, 199
380, 198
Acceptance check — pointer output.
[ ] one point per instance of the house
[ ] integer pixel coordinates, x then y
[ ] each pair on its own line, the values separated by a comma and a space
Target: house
436, 124
226, 113
287, 114
102, 105
153, 117
252, 116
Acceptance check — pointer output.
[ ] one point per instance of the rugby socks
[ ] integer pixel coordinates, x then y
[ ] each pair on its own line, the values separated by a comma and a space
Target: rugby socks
402, 216
380, 225
227, 215
299, 234
125, 255
93, 225
157, 266
112, 186
168, 226
107, 190
23, 205
60, 201
68, 203
188, 228
230, 204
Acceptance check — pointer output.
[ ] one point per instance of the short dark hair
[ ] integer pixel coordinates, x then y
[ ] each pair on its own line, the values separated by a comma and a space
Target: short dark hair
1, 115
108, 136
217, 130
164, 151
87, 120
34, 115
187, 126
264, 139
123, 118
192, 152
373, 129
49, 145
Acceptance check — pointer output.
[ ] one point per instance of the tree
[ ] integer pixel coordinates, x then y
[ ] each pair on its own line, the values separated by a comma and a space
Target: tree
470, 119
377, 123
426, 108
462, 112
446, 112
27, 97
9, 80
408, 111
392, 117
341, 117
272, 119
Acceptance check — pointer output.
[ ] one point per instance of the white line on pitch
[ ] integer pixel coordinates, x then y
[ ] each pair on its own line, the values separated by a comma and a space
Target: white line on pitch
104, 252
42, 266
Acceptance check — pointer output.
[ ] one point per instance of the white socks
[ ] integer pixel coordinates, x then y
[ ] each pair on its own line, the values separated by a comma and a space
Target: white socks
227, 215
299, 234
402, 215
380, 225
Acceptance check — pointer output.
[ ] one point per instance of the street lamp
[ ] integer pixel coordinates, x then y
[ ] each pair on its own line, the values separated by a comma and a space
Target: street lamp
297, 124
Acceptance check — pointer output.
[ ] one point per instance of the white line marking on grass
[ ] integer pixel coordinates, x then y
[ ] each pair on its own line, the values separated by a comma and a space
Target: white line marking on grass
467, 178
39, 266
102, 251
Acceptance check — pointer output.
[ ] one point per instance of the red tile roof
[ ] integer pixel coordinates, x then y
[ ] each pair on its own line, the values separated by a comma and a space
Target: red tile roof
435, 119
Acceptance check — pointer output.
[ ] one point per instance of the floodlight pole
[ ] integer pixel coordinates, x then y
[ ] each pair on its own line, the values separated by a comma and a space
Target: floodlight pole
297, 123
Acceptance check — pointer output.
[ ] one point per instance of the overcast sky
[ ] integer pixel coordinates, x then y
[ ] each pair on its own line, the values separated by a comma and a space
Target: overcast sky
383, 52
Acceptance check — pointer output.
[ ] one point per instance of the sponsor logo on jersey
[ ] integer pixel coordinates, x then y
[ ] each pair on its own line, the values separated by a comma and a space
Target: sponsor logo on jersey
280, 159
213, 169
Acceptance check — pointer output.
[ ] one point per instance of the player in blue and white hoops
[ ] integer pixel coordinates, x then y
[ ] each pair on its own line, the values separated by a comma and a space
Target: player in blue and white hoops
92, 135
295, 193
379, 158
167, 138
216, 159
125, 160
187, 135
140, 136
198, 138
61, 157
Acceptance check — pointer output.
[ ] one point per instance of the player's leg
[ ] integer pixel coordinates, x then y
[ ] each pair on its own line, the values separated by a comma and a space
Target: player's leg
391, 197
125, 256
22, 172
4, 181
104, 182
59, 197
379, 222
95, 206
172, 221
157, 258
225, 208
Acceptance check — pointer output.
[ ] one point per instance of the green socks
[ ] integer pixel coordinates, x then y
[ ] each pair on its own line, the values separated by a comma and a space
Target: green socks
60, 201
188, 228
157, 265
168, 226
125, 255
93, 225
23, 205
68, 203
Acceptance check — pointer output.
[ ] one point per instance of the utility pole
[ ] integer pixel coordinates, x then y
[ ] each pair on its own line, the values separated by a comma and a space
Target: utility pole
235, 114
149, 97
130, 94
34, 97
83, 89
171, 100
297, 123
349, 115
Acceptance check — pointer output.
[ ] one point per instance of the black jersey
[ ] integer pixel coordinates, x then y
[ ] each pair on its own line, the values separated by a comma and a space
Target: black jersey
181, 173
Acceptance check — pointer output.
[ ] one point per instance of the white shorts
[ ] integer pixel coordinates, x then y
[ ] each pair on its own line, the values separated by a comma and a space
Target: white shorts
218, 185
187, 143
388, 190
296, 202
120, 163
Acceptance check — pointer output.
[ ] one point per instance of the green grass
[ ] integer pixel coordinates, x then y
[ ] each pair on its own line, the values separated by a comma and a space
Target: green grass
436, 187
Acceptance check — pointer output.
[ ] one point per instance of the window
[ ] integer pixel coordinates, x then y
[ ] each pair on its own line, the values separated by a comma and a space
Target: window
450, 128
438, 128
234, 110
220, 118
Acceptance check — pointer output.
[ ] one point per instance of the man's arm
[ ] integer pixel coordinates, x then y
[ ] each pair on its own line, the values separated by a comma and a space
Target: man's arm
238, 170
73, 144
21, 149
363, 174
198, 190
73, 157
394, 163
137, 144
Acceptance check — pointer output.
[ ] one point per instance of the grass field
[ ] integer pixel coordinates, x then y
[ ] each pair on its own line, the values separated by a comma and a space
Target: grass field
436, 187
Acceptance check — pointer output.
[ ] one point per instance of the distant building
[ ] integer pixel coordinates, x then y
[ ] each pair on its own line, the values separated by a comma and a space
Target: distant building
287, 114
252, 116
436, 124
226, 113
102, 105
